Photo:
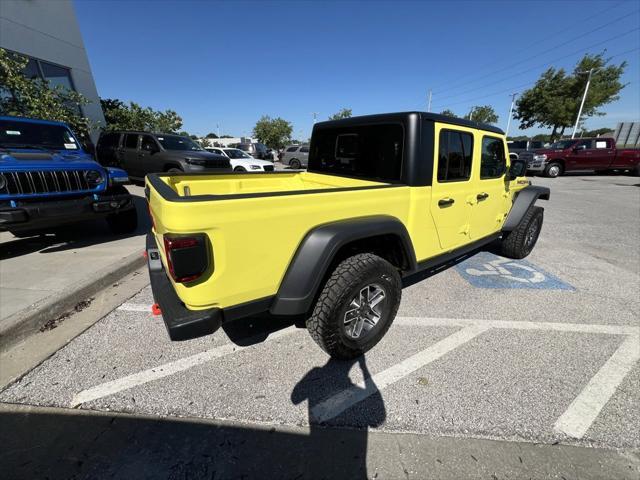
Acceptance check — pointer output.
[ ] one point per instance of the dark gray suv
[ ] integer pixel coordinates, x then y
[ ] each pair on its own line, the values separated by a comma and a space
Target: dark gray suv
140, 153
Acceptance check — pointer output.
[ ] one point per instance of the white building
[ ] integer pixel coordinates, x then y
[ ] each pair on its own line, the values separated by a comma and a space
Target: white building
47, 33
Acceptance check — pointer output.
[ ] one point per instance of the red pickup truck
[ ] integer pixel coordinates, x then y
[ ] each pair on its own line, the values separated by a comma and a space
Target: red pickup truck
599, 154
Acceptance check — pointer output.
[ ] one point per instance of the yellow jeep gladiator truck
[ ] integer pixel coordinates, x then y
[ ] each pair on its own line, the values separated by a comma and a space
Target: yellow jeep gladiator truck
385, 196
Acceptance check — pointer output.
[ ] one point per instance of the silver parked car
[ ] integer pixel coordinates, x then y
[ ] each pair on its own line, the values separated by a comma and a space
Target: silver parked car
296, 156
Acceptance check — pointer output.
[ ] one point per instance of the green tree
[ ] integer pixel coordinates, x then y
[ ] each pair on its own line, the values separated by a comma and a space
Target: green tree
226, 136
448, 113
36, 98
120, 116
204, 142
212, 135
553, 102
483, 114
273, 132
343, 113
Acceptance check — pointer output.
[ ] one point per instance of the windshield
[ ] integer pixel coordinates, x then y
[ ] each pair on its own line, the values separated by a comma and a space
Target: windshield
235, 153
36, 135
174, 142
562, 144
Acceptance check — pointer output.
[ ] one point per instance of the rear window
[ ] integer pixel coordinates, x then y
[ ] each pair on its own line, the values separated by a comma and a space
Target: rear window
292, 149
371, 151
131, 141
109, 140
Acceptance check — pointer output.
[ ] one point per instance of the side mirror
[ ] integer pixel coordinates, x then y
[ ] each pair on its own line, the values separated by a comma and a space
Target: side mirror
518, 169
580, 147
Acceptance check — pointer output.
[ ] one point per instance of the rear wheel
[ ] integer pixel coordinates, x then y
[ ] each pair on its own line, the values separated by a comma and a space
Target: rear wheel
295, 164
239, 169
553, 170
520, 242
174, 170
356, 306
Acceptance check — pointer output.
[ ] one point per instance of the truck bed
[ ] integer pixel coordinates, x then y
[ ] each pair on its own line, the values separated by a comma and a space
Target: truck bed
252, 184
255, 222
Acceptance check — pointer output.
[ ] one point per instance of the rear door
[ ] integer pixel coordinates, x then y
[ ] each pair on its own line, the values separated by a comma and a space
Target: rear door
130, 155
452, 187
490, 188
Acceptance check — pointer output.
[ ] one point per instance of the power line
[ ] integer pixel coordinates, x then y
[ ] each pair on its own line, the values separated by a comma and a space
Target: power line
526, 84
543, 64
579, 23
508, 67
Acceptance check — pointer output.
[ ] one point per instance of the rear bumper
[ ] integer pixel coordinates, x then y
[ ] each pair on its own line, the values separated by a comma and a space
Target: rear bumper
181, 323
49, 214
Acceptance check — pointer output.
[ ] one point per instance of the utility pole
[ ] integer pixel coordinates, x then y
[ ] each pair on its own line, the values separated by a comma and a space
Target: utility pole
315, 114
584, 97
471, 114
429, 104
513, 99
218, 129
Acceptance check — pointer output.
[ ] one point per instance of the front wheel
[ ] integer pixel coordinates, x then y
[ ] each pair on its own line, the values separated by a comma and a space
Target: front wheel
239, 169
519, 242
553, 170
356, 306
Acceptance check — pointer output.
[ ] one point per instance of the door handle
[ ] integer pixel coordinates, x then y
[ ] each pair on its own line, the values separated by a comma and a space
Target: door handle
445, 202
482, 196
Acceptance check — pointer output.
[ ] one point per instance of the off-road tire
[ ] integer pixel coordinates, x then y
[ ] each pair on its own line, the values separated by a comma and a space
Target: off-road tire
518, 244
125, 221
326, 323
553, 170
295, 164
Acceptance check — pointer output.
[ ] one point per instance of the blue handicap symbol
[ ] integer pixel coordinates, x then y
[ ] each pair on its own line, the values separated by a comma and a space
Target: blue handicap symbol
486, 270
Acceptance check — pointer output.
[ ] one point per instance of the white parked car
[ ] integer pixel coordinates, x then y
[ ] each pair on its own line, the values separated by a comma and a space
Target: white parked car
242, 161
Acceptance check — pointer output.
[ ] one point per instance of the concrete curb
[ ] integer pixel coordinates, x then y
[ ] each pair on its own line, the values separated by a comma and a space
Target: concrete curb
26, 322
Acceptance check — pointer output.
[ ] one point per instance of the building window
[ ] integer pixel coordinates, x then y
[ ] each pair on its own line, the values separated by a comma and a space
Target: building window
57, 75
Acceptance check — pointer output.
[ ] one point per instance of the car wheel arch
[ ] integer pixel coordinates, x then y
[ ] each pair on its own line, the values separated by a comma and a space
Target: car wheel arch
327, 244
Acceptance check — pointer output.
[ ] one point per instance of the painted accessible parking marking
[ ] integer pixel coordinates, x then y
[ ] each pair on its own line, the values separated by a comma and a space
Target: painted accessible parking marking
486, 270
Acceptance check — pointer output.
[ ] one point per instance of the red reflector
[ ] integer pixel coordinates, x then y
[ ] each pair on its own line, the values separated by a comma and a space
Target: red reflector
155, 309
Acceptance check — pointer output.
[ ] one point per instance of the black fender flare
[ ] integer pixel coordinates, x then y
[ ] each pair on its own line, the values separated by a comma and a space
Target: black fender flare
318, 249
523, 201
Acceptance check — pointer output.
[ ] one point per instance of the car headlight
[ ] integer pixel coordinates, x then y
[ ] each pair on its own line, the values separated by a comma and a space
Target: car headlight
93, 178
256, 167
196, 161
540, 157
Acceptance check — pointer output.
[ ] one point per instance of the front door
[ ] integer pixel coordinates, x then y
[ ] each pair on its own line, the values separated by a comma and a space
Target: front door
490, 192
148, 148
451, 202
586, 155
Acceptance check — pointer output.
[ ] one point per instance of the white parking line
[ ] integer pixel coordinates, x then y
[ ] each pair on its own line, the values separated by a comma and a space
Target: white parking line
134, 307
516, 325
161, 371
337, 404
586, 407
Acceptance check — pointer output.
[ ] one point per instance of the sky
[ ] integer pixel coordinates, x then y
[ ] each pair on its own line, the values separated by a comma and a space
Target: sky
223, 65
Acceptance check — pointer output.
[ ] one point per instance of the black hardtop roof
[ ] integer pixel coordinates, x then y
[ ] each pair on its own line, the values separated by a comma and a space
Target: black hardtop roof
142, 132
395, 116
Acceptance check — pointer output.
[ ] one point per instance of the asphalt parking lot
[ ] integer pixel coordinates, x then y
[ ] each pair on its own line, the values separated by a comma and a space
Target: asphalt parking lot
541, 351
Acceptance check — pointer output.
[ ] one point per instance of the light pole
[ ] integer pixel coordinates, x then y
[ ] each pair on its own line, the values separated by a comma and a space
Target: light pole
429, 104
584, 97
315, 114
513, 99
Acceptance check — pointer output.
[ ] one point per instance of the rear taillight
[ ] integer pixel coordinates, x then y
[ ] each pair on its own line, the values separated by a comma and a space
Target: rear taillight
187, 256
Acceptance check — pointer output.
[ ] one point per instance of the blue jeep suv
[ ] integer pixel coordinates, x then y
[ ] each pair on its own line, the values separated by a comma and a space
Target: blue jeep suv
47, 180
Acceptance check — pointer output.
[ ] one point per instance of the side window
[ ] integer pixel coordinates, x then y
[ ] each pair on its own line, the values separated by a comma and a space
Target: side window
493, 163
292, 149
587, 144
131, 141
454, 156
304, 150
148, 143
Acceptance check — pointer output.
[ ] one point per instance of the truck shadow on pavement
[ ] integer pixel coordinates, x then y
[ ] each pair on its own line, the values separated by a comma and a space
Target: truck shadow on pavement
74, 236
61, 444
